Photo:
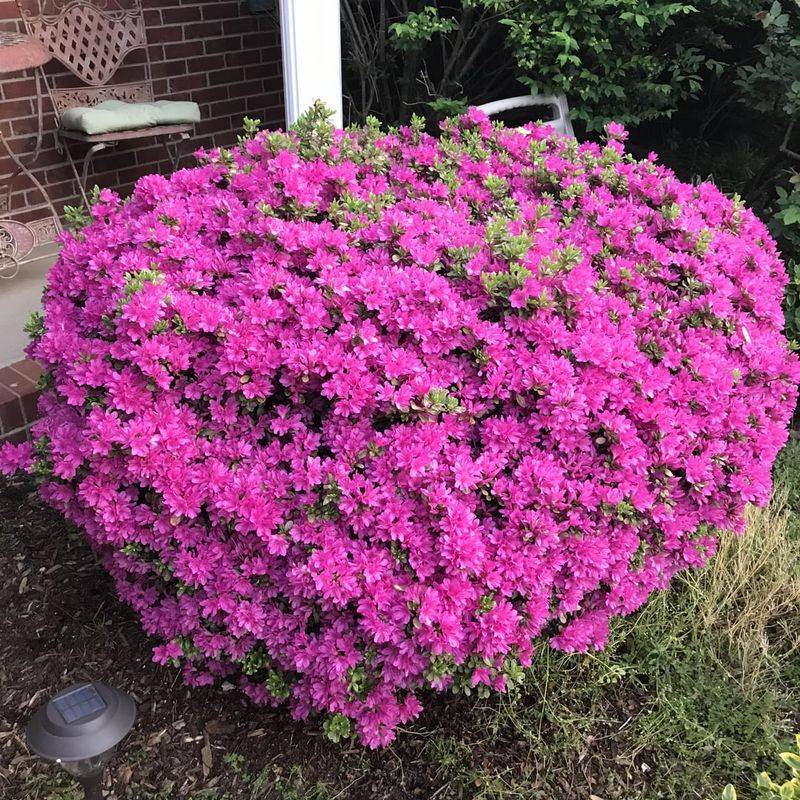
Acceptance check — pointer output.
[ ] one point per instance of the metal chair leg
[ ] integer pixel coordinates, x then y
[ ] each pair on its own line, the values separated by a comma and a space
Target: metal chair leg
84, 177
173, 148
87, 159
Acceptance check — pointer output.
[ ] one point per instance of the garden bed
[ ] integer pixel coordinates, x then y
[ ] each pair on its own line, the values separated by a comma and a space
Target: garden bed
664, 712
64, 624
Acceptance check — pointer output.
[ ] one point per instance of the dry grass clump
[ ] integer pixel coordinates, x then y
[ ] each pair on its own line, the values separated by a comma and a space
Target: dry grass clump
750, 592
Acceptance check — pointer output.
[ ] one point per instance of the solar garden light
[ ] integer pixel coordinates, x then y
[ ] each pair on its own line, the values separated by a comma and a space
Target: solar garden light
79, 729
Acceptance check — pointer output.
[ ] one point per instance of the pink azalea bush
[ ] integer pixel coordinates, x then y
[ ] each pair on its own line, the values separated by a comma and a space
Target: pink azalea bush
352, 414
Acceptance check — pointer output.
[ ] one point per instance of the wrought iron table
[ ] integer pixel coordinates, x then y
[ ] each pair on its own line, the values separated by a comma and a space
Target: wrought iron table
19, 52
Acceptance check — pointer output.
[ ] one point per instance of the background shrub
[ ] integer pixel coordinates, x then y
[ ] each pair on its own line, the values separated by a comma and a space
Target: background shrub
627, 61
427, 59
711, 86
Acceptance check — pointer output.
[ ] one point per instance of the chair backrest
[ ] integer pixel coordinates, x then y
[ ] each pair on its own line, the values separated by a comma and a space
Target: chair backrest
557, 102
91, 42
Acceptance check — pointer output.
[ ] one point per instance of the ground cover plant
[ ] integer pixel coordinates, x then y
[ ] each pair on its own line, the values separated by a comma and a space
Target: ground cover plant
352, 414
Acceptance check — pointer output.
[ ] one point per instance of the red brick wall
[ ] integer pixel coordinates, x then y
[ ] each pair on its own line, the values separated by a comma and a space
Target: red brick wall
211, 51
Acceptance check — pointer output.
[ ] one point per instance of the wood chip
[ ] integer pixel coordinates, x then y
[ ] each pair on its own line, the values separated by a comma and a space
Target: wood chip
124, 774
156, 738
218, 726
206, 756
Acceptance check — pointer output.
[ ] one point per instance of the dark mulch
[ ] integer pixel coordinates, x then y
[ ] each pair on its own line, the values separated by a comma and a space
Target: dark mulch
62, 623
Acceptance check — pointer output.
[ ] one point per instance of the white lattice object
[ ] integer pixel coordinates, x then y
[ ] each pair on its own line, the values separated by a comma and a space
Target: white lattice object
557, 102
91, 42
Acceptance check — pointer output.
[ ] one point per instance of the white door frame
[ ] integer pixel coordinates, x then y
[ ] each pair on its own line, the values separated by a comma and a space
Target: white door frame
311, 47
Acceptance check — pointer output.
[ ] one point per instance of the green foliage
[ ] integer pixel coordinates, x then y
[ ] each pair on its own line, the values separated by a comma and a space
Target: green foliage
135, 281
251, 126
448, 106
255, 660
770, 789
337, 727
500, 285
439, 401
419, 28
52, 786
787, 470
403, 57
78, 217
629, 60
785, 225
314, 131
772, 83
34, 326
258, 663
235, 762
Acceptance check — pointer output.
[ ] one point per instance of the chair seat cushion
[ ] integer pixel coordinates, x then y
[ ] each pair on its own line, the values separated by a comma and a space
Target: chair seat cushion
114, 115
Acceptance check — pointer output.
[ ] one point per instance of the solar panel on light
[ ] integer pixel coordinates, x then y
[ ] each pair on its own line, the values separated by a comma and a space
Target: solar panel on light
79, 704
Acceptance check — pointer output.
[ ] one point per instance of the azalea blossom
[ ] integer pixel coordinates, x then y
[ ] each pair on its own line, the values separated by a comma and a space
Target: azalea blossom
353, 415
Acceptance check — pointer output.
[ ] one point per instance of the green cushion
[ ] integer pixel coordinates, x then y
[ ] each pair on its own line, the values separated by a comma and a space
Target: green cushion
176, 112
113, 115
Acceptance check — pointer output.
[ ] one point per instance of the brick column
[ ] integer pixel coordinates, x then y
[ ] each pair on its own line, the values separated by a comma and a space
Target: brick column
19, 394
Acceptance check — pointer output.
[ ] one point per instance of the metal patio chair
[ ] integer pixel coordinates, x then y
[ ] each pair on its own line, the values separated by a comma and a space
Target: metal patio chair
92, 42
556, 102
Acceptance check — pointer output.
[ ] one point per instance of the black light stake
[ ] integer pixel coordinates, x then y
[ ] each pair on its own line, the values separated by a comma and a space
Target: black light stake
79, 729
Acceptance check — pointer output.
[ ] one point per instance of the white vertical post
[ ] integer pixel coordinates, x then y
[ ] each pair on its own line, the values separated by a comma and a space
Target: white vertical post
312, 56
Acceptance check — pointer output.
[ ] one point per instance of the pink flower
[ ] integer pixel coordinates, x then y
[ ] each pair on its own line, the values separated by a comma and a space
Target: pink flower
616, 131
14, 458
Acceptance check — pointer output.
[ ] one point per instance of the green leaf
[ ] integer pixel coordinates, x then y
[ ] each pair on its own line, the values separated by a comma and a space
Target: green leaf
729, 793
763, 781
448, 106
792, 759
791, 216
337, 727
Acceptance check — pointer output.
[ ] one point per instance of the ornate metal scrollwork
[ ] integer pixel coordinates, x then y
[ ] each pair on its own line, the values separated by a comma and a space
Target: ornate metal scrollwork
92, 95
17, 239
89, 40
19, 52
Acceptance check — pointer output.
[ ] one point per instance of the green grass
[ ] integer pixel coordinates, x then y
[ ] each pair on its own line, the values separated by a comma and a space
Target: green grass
51, 786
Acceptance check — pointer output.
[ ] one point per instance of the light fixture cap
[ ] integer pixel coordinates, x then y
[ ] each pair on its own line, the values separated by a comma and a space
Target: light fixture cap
83, 721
